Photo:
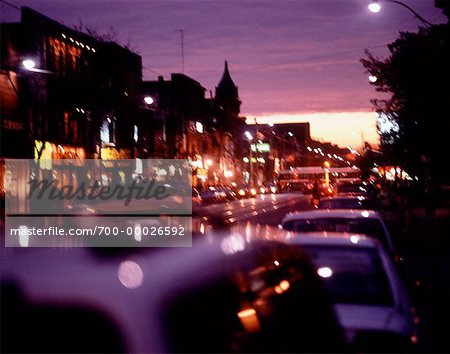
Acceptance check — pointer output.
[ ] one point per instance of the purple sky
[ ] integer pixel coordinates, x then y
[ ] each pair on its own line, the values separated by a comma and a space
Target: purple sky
290, 57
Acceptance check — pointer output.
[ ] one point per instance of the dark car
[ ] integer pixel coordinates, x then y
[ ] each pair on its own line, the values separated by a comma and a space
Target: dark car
356, 188
196, 197
228, 194
229, 296
212, 195
370, 296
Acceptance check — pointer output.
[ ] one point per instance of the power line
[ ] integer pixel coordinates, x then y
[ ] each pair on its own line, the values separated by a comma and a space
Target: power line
9, 4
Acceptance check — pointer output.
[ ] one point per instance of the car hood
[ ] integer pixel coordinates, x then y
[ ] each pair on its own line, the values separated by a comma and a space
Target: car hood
354, 318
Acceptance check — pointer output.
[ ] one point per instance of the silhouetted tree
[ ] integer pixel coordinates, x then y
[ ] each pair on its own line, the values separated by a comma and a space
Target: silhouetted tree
367, 159
416, 77
111, 35
444, 5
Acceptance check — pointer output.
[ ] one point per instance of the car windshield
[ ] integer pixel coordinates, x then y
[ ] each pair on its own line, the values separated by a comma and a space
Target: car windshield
345, 204
353, 188
351, 276
367, 226
251, 306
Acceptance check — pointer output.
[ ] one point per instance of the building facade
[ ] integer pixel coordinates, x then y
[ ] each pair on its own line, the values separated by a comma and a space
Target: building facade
186, 124
59, 87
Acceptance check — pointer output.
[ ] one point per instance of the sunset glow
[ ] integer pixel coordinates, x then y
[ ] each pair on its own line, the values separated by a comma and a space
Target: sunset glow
341, 128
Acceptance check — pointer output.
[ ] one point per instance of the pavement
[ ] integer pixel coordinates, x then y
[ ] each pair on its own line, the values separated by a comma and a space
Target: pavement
425, 243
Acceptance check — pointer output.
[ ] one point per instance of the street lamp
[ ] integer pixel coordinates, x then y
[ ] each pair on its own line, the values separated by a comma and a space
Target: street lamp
373, 78
375, 7
249, 136
149, 100
326, 166
29, 64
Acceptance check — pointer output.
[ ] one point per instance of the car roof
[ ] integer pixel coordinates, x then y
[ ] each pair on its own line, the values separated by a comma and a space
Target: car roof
97, 281
332, 213
333, 239
349, 196
353, 194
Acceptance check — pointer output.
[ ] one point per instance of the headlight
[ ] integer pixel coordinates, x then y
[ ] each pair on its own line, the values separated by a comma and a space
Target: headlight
253, 191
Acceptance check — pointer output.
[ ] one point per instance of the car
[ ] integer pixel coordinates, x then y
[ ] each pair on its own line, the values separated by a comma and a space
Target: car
369, 295
273, 188
366, 222
196, 197
225, 296
356, 188
262, 189
212, 194
243, 191
326, 190
226, 193
294, 187
348, 202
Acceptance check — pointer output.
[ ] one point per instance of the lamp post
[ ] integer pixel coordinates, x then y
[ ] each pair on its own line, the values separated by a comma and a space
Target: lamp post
38, 76
375, 7
149, 104
249, 136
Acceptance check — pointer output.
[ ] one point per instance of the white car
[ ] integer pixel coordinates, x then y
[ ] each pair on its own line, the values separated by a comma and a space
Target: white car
359, 202
369, 296
367, 222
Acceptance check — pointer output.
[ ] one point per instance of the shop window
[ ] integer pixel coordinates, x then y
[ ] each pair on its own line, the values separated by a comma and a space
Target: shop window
108, 131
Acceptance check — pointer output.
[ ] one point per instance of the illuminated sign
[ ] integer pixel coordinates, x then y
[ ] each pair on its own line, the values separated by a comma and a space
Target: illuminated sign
12, 125
110, 153
264, 147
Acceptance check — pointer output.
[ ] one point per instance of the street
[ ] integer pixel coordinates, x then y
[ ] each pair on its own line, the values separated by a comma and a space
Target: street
424, 248
266, 209
224, 176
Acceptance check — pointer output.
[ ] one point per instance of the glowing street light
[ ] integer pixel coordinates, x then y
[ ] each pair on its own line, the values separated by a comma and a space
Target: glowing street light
149, 100
326, 166
208, 163
29, 64
374, 7
373, 78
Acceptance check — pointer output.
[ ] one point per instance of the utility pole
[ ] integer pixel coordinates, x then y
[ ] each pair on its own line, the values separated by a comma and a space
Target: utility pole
256, 150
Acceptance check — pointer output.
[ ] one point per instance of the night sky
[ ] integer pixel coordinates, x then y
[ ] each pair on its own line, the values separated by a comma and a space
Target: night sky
293, 59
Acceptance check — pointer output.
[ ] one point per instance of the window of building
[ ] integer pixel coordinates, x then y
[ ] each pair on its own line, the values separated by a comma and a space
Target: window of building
108, 131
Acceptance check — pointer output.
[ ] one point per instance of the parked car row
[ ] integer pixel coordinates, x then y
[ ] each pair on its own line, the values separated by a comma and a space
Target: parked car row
347, 240
220, 194
218, 297
326, 281
369, 296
